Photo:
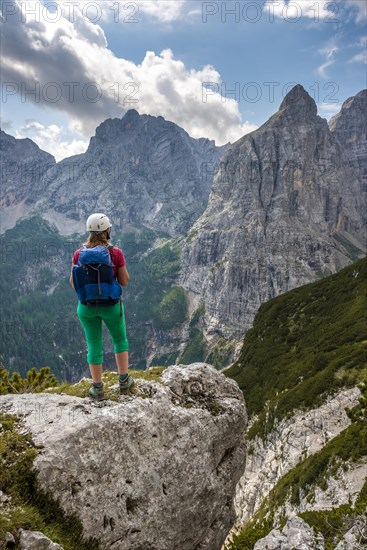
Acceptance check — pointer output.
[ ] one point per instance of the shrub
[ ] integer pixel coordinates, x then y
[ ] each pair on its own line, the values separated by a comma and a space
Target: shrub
35, 381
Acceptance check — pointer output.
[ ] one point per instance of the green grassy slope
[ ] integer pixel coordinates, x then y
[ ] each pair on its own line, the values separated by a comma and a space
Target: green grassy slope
304, 345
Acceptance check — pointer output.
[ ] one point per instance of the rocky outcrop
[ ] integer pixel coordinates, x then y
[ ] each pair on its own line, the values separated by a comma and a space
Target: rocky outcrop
356, 537
157, 470
141, 169
291, 441
341, 489
296, 534
35, 540
285, 209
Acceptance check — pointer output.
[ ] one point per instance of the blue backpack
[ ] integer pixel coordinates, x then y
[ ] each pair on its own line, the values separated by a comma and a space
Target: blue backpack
93, 277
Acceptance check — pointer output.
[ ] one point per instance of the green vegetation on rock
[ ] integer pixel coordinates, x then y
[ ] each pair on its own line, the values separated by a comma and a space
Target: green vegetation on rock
359, 412
172, 310
220, 354
34, 382
28, 506
109, 379
336, 522
166, 359
350, 446
304, 345
195, 349
198, 349
347, 247
38, 304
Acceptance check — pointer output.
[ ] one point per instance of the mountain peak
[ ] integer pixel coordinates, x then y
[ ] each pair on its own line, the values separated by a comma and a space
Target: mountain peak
26, 148
299, 101
353, 111
131, 114
112, 129
362, 94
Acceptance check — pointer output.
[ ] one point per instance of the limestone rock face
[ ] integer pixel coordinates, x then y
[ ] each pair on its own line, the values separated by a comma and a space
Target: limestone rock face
292, 440
349, 127
35, 540
141, 169
157, 472
286, 207
355, 538
23, 166
296, 534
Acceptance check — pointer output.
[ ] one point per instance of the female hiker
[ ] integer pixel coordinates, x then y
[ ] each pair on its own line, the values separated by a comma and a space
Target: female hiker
98, 270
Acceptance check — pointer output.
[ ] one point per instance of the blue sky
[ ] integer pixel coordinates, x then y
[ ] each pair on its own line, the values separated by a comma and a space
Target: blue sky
218, 69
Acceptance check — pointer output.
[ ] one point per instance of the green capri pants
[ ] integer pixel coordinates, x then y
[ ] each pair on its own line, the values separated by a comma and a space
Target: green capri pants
91, 319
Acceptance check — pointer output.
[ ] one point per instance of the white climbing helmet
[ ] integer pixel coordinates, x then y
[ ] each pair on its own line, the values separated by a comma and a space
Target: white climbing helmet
98, 222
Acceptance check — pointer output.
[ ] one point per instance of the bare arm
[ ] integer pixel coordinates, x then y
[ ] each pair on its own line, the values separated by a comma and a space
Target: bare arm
71, 276
123, 276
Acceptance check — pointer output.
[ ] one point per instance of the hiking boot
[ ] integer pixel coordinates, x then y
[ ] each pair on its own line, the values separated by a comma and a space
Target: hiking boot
125, 386
96, 393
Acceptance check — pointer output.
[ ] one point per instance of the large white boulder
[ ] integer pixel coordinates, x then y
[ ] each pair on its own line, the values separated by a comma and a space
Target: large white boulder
155, 472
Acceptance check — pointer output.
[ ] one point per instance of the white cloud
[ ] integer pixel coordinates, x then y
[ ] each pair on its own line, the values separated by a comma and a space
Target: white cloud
77, 74
162, 9
329, 53
52, 139
360, 8
127, 11
328, 110
359, 57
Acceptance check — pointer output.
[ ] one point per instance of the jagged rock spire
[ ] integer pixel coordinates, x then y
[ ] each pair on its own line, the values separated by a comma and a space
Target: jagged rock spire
299, 103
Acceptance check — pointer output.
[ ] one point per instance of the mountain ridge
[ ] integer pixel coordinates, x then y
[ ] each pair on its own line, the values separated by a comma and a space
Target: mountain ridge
279, 215
144, 170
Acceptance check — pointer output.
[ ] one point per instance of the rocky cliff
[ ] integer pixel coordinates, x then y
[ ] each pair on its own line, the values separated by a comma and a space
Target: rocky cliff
303, 371
141, 169
156, 470
288, 205
349, 127
291, 441
23, 166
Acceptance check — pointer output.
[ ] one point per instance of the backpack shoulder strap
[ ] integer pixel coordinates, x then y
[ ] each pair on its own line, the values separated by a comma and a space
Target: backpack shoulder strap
109, 248
79, 250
